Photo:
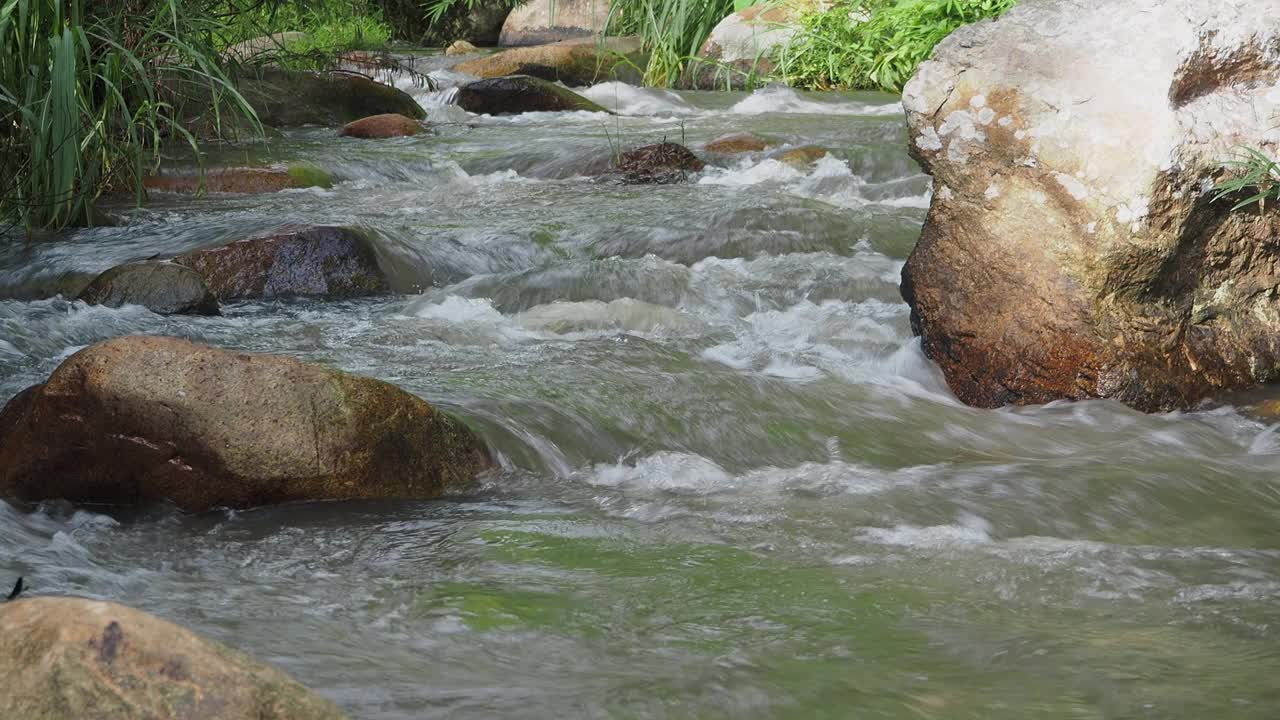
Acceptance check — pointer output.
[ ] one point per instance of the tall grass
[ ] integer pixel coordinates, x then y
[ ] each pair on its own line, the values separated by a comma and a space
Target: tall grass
673, 31
875, 44
331, 26
84, 104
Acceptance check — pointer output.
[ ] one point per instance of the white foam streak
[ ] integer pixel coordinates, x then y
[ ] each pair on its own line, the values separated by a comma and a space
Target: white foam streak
786, 100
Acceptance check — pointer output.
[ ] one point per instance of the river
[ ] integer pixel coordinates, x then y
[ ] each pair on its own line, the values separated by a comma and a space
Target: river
732, 485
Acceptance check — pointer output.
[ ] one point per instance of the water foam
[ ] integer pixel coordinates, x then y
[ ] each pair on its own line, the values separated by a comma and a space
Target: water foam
779, 99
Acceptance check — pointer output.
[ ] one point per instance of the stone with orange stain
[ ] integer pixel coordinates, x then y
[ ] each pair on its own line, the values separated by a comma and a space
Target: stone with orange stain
390, 125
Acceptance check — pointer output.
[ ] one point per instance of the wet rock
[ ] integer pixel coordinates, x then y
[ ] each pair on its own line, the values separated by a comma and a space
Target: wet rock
736, 143
461, 47
539, 23
64, 657
1073, 248
520, 94
290, 98
572, 62
247, 181
660, 164
295, 261
382, 126
137, 420
742, 46
802, 158
262, 49
161, 287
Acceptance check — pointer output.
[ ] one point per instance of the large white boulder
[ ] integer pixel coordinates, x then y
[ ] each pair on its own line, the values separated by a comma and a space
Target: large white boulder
1073, 248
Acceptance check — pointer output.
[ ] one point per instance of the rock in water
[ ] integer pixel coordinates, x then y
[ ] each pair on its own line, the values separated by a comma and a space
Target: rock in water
137, 420
313, 261
382, 126
660, 164
460, 47
734, 143
161, 287
572, 62
520, 94
289, 98
538, 23
73, 658
1073, 248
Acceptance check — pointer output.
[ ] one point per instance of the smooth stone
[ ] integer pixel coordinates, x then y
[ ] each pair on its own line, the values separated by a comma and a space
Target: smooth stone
162, 287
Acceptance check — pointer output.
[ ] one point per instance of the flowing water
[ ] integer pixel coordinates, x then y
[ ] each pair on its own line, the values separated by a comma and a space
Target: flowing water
732, 485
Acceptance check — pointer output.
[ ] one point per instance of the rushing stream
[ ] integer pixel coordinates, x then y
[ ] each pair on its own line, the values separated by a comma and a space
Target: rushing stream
733, 486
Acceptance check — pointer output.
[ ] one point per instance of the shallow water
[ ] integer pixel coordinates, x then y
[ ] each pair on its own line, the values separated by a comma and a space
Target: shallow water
732, 485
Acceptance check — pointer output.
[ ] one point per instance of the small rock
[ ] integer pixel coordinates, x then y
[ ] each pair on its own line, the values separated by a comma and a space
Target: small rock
461, 47
520, 94
389, 125
309, 261
161, 287
803, 157
735, 143
248, 181
660, 164
138, 420
63, 657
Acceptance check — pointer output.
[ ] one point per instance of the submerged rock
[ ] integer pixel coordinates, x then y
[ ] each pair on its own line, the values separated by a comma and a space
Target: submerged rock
138, 420
660, 164
63, 657
161, 287
735, 143
1073, 248
311, 261
539, 23
248, 181
382, 126
572, 62
520, 94
802, 158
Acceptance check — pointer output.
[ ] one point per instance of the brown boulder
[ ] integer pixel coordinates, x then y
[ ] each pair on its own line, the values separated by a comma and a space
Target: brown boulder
660, 164
572, 62
247, 181
309, 261
162, 287
137, 420
735, 143
64, 657
801, 158
389, 125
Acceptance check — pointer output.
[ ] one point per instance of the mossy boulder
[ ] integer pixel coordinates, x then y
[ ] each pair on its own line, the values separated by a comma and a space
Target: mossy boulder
63, 657
162, 287
248, 181
295, 261
520, 94
572, 62
460, 47
803, 157
382, 126
138, 420
659, 164
476, 21
292, 98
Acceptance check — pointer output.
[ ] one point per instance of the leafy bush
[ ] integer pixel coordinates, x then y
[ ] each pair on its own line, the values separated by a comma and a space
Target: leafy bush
83, 100
331, 26
875, 44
